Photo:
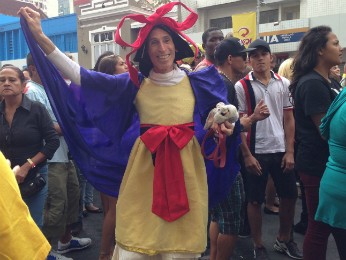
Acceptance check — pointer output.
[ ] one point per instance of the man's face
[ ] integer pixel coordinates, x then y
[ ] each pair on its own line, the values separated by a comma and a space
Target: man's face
34, 74
26, 75
239, 63
260, 60
214, 38
161, 50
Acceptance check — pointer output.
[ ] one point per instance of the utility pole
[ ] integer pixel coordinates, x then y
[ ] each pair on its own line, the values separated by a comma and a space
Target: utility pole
259, 4
179, 13
257, 18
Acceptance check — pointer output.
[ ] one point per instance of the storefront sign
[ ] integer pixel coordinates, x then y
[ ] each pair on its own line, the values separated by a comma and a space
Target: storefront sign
283, 38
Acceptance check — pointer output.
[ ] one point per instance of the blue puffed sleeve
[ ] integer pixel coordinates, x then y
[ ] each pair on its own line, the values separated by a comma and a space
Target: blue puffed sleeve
98, 119
108, 100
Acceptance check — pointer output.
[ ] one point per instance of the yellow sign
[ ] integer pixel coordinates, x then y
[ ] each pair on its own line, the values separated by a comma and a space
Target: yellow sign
244, 27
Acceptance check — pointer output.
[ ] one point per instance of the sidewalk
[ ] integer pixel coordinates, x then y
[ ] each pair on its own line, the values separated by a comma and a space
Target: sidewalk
244, 250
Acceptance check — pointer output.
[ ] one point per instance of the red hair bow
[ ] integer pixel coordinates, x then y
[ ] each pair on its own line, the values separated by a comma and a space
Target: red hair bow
152, 20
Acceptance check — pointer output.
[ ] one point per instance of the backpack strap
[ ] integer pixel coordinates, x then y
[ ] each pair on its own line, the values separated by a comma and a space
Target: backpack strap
277, 76
251, 104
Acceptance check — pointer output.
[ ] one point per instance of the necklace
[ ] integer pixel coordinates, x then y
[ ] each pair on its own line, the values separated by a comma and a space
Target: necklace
222, 73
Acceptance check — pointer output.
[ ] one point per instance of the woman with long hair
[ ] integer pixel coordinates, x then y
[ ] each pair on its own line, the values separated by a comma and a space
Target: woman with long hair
112, 65
312, 94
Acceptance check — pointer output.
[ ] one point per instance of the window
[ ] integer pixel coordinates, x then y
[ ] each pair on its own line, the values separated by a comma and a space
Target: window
290, 13
102, 40
221, 23
270, 16
103, 37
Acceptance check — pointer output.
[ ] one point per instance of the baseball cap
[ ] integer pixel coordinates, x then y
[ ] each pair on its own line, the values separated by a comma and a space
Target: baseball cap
229, 46
259, 43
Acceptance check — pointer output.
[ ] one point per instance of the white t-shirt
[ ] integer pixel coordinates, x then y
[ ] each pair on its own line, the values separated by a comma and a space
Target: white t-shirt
270, 135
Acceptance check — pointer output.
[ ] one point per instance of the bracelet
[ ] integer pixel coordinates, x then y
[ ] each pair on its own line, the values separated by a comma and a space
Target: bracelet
33, 165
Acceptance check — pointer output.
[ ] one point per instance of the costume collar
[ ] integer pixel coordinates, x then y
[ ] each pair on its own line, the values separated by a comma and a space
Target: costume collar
167, 79
251, 76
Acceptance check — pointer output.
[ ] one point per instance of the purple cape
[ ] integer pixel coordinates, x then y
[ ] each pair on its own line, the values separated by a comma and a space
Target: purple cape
100, 122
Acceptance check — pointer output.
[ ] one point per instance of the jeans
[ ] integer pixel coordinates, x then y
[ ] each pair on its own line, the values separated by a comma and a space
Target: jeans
87, 191
316, 237
36, 202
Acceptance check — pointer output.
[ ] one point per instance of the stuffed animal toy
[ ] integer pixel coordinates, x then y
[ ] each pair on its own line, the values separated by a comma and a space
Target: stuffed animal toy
221, 114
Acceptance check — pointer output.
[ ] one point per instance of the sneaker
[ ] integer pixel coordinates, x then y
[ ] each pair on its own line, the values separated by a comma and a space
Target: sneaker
74, 244
55, 256
260, 253
290, 249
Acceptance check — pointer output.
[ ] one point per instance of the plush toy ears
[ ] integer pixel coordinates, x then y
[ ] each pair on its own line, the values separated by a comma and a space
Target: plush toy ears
210, 119
220, 104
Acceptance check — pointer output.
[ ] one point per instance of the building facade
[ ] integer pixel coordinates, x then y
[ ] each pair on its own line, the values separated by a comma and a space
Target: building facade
65, 7
61, 30
282, 23
40, 4
97, 22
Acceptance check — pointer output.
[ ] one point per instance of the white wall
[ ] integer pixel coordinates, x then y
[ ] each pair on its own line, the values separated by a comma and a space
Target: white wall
18, 63
317, 8
336, 22
21, 63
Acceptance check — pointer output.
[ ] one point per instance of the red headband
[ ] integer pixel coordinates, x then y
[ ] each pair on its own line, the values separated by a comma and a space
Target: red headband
152, 20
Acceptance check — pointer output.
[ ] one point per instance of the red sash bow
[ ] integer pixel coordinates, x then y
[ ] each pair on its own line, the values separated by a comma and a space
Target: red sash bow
155, 18
170, 200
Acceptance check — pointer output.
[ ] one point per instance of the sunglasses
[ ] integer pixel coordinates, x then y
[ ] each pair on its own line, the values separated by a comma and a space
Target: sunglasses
242, 55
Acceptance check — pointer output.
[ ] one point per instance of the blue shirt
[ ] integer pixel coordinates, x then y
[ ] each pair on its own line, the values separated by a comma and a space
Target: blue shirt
36, 92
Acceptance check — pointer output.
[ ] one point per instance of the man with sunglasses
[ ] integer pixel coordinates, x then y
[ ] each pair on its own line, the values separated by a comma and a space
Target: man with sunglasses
230, 58
227, 216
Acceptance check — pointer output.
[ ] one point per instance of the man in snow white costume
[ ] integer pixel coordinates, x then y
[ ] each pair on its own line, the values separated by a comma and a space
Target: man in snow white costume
157, 115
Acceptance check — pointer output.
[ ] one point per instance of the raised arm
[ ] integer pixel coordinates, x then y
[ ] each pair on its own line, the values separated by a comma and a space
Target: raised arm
66, 66
34, 22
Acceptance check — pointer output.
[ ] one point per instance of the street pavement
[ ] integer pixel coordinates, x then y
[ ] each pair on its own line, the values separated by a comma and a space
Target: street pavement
92, 227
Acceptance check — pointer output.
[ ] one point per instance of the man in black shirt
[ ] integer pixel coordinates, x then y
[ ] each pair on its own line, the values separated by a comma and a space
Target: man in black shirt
227, 218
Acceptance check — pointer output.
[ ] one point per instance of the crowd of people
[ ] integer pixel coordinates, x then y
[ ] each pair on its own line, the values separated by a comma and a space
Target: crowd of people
142, 136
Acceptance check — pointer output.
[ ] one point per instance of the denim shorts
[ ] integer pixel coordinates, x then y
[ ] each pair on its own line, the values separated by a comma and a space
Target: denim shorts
37, 201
